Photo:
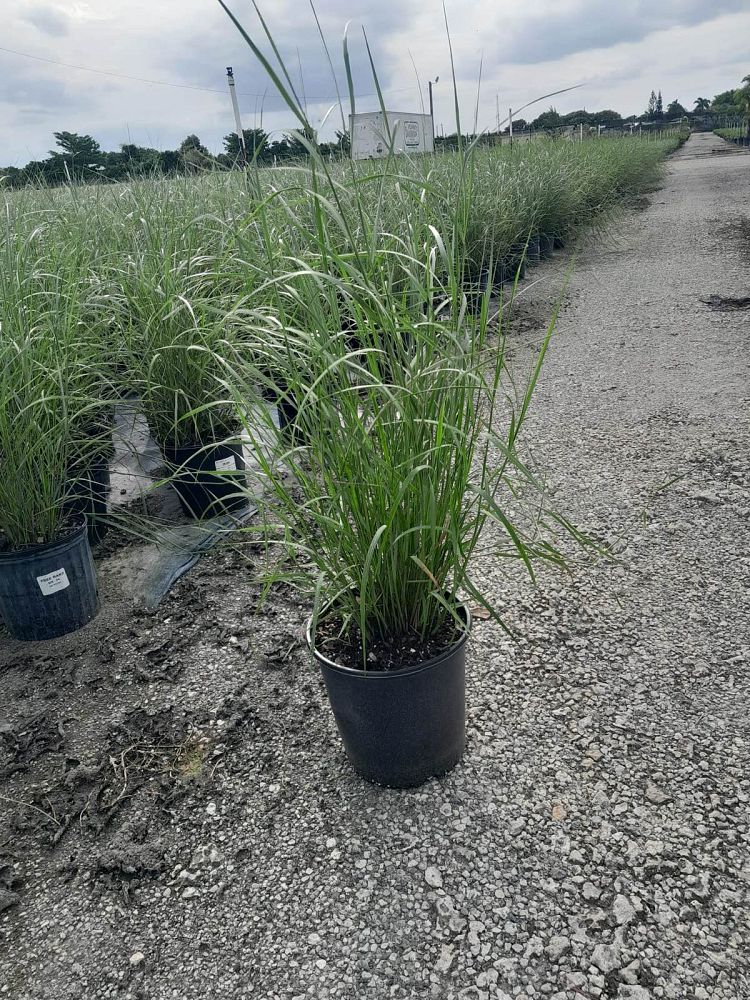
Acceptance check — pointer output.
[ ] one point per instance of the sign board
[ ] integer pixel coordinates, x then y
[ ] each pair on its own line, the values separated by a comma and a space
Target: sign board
375, 135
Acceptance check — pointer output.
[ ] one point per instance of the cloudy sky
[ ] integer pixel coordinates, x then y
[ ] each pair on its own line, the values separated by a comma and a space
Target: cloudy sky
618, 52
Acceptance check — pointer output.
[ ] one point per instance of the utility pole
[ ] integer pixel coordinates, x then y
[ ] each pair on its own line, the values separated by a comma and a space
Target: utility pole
432, 110
510, 126
237, 119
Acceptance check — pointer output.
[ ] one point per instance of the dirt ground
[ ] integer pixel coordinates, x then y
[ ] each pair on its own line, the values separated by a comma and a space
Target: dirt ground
177, 818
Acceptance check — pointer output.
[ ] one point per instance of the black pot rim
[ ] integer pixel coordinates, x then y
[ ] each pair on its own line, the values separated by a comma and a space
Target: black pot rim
58, 544
172, 453
385, 675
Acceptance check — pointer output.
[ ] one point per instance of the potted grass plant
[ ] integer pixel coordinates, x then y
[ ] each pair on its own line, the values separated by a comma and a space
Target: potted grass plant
49, 391
409, 426
402, 465
173, 343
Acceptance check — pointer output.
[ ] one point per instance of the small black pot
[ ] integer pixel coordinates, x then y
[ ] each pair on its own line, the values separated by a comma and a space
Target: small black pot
287, 412
48, 590
534, 250
546, 245
507, 272
208, 479
87, 497
401, 727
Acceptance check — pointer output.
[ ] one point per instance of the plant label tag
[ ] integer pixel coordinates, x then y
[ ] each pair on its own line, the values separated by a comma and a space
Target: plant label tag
226, 464
50, 583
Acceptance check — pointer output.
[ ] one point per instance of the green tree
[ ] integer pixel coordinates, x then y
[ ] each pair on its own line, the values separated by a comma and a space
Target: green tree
725, 103
701, 106
297, 148
548, 119
651, 109
194, 155
256, 143
81, 148
192, 142
742, 96
659, 106
676, 110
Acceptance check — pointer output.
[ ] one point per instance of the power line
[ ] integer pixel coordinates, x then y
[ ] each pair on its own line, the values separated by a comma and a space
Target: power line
165, 83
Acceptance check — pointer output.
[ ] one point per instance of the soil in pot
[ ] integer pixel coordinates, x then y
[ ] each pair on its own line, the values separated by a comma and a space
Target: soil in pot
49, 590
208, 479
405, 724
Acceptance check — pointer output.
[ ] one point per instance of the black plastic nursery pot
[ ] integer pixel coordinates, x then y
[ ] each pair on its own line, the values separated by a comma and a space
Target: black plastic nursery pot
508, 271
401, 727
546, 245
534, 250
208, 479
48, 590
87, 497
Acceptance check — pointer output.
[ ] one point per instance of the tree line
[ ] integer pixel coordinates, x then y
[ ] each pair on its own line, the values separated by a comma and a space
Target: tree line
728, 102
80, 158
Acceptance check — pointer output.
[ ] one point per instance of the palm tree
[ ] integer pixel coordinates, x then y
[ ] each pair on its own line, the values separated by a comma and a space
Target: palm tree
702, 104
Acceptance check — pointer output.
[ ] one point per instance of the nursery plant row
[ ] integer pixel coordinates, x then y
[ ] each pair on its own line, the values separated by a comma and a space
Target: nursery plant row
334, 322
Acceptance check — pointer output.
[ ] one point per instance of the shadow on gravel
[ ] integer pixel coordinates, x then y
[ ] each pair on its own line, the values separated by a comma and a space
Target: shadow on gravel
721, 304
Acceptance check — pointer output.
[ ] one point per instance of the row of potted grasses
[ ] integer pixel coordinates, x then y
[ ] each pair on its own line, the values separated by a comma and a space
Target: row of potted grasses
344, 295
738, 134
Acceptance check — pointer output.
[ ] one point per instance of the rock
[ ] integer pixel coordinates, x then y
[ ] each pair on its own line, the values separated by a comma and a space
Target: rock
433, 878
630, 973
590, 891
137, 959
445, 961
657, 795
706, 496
487, 979
558, 812
622, 910
314, 939
321, 963
633, 993
189, 893
558, 946
8, 899
606, 957
575, 980
534, 947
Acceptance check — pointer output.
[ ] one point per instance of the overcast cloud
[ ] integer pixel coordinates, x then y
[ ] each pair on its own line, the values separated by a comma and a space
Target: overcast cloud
618, 52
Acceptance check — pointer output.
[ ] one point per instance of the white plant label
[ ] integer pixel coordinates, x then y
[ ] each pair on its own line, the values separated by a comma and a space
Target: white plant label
226, 464
50, 583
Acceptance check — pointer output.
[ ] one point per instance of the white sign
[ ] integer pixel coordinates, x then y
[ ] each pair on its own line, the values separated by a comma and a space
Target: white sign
50, 583
412, 134
225, 464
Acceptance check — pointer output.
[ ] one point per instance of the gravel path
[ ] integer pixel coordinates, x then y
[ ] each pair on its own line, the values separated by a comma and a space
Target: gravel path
594, 841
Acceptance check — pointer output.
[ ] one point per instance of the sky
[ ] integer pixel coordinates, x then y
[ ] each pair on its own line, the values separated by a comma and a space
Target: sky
504, 55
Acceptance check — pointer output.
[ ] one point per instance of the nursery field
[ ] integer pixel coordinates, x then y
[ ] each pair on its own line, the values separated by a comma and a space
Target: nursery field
511, 381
